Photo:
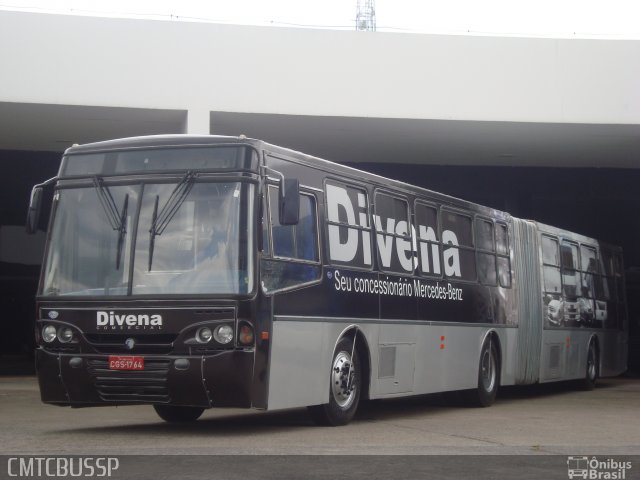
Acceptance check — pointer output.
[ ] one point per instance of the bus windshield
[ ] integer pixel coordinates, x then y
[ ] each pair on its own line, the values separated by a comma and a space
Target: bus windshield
191, 237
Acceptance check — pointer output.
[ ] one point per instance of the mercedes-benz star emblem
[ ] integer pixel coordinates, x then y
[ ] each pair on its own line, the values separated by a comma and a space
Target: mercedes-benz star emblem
130, 343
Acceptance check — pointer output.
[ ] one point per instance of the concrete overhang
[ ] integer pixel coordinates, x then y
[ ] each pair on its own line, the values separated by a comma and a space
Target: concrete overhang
345, 96
341, 139
54, 128
442, 142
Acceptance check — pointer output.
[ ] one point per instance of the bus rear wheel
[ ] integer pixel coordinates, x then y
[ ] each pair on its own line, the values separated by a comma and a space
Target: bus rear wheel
488, 376
592, 369
177, 414
344, 388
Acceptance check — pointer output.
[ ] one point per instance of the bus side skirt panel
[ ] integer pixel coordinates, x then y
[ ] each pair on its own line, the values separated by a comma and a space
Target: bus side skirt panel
405, 359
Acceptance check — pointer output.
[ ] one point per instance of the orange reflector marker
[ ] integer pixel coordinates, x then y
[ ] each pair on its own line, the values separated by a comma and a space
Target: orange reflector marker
246, 335
441, 342
264, 335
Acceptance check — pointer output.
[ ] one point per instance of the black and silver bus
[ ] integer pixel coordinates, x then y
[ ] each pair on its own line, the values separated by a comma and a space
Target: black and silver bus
192, 272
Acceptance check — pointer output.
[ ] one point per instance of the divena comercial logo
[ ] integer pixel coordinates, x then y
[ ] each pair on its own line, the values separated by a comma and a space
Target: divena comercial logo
597, 468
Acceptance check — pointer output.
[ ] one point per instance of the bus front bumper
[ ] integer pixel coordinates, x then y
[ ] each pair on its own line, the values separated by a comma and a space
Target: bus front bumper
222, 379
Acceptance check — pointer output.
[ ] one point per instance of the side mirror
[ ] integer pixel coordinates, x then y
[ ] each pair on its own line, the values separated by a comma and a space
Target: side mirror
33, 214
289, 201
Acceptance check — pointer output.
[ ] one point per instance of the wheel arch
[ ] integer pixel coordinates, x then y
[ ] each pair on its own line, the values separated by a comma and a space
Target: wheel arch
364, 353
495, 338
593, 338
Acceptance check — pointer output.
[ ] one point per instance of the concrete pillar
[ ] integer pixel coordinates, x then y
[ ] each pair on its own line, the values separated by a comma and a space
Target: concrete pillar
197, 121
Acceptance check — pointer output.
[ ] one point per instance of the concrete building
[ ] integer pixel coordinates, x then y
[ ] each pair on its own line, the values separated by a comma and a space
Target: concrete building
544, 128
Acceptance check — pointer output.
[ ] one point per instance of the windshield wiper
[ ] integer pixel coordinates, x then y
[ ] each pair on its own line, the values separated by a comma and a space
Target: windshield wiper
123, 229
116, 219
160, 220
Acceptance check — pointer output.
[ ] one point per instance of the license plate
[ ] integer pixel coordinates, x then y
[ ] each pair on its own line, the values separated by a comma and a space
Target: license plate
117, 362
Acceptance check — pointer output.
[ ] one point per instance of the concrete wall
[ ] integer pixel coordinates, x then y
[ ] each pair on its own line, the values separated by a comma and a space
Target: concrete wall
198, 67
350, 96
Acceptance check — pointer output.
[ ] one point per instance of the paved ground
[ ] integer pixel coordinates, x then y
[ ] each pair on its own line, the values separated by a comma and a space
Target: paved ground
554, 419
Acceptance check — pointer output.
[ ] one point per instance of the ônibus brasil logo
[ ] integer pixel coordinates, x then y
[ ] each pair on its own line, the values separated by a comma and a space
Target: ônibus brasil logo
595, 469
127, 321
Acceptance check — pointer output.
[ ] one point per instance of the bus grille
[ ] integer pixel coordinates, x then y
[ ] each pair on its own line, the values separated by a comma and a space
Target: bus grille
146, 344
148, 385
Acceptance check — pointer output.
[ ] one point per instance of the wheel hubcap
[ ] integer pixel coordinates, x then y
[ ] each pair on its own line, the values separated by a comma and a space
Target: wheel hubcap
488, 370
342, 380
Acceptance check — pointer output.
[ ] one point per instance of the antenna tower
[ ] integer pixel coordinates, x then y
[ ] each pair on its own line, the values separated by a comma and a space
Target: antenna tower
366, 15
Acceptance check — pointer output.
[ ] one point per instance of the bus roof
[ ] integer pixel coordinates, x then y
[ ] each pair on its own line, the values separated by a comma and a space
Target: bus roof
152, 141
188, 140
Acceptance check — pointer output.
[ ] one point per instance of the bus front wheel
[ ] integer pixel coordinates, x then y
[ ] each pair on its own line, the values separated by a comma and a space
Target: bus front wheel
177, 414
344, 388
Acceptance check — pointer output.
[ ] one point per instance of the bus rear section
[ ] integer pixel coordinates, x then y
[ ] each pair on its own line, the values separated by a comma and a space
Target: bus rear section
571, 310
585, 315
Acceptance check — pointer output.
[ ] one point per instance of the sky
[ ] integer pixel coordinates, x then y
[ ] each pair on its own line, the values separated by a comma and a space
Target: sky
547, 18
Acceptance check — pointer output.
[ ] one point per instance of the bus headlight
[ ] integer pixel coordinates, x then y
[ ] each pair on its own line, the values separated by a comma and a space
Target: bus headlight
65, 335
223, 334
204, 335
49, 333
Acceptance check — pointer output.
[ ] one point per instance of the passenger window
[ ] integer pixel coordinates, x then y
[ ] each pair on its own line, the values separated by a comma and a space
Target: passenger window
484, 235
458, 254
570, 275
294, 241
502, 239
607, 262
295, 259
487, 269
391, 207
588, 265
504, 272
503, 259
460, 225
617, 265
393, 233
552, 283
279, 275
487, 274
569, 256
428, 245
550, 255
588, 259
601, 288
348, 225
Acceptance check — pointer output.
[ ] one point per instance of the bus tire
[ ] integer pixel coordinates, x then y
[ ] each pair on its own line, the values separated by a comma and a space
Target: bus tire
344, 388
177, 414
488, 376
592, 370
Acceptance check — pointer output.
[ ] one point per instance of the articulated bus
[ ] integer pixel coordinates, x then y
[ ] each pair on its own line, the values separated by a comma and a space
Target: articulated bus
193, 272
